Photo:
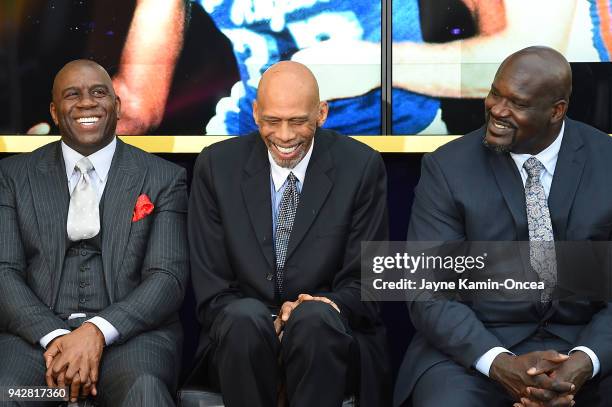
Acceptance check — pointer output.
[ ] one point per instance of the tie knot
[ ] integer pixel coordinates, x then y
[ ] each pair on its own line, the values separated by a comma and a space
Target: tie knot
534, 167
84, 165
291, 179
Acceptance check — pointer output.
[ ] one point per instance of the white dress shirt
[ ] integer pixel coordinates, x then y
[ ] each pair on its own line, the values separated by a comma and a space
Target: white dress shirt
101, 161
548, 158
278, 181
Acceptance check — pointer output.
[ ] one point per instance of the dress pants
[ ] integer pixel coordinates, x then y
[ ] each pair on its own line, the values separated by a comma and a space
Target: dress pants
139, 372
451, 385
248, 363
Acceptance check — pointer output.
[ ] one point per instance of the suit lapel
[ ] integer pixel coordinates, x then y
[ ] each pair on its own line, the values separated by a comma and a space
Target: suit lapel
256, 196
509, 182
568, 172
317, 184
49, 186
123, 186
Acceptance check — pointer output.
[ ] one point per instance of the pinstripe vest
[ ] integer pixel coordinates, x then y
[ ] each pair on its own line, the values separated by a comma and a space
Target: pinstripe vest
82, 288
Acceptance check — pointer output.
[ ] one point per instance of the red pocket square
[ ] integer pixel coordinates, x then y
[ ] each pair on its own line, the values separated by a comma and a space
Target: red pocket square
143, 207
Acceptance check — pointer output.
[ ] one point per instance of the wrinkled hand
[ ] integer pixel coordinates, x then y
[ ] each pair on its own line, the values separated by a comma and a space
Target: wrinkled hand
73, 360
289, 306
511, 372
577, 369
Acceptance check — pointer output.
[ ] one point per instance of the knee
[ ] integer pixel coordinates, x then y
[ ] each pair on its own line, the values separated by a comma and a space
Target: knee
314, 317
242, 319
316, 325
146, 382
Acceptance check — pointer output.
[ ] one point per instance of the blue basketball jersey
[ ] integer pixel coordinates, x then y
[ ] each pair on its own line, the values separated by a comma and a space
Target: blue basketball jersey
264, 32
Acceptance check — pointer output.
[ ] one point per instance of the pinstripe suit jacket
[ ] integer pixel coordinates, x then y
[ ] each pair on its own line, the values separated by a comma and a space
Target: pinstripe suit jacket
145, 262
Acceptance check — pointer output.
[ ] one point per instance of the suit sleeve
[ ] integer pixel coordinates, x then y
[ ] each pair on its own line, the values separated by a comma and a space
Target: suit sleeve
369, 222
213, 279
164, 270
22, 313
450, 326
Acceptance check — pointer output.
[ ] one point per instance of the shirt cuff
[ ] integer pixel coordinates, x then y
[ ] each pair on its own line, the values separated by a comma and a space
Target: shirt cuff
45, 340
108, 330
592, 356
483, 364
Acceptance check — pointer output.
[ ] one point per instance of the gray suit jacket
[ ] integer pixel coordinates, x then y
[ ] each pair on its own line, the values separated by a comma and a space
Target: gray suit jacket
145, 262
467, 192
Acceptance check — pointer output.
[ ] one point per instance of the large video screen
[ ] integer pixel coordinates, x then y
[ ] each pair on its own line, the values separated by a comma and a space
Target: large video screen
464, 41
191, 67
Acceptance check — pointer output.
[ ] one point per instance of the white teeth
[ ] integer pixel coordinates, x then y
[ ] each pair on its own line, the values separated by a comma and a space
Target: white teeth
286, 150
88, 121
500, 125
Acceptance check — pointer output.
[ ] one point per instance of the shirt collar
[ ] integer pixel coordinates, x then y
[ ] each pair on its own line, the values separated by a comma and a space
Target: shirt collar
101, 159
548, 156
280, 174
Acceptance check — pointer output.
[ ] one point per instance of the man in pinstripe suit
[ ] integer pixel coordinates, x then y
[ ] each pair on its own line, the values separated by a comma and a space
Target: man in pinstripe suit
103, 303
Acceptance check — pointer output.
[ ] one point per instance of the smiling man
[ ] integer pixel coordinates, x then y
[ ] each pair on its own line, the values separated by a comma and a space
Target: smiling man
276, 224
93, 256
529, 174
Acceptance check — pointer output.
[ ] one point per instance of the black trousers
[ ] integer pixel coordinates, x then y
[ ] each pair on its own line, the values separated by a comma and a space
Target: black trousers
449, 384
247, 362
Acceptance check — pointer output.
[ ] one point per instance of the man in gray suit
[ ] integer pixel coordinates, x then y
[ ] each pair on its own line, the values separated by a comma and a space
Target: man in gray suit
93, 256
530, 174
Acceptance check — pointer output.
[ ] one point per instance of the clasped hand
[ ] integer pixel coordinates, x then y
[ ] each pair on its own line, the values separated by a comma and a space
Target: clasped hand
73, 360
289, 306
543, 378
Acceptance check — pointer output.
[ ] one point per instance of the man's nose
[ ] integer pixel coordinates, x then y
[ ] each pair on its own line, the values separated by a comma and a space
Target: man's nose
87, 100
500, 108
285, 132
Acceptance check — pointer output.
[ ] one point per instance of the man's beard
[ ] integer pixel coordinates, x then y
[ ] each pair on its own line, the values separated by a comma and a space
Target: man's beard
499, 149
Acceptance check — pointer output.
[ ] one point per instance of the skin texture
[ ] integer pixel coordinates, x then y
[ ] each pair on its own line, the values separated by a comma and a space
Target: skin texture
511, 372
146, 68
526, 105
288, 111
83, 89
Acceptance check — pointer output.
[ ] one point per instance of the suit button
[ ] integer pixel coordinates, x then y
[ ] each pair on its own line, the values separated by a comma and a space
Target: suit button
82, 300
83, 253
269, 276
82, 284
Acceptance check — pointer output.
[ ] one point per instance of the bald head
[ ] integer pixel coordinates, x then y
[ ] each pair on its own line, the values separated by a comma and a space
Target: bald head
528, 100
288, 79
547, 68
84, 106
75, 66
288, 111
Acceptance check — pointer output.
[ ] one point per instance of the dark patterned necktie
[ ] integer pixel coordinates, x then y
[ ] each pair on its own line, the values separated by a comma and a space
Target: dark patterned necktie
284, 225
541, 238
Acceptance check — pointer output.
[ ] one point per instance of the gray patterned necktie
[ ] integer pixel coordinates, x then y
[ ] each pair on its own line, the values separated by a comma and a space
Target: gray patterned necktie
541, 238
83, 212
284, 225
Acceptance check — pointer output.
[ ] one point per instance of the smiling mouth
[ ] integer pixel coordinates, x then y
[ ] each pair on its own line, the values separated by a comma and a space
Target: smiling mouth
500, 125
87, 121
287, 150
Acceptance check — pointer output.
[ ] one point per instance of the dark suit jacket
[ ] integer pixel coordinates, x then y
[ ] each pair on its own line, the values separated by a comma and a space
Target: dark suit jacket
145, 262
467, 192
343, 202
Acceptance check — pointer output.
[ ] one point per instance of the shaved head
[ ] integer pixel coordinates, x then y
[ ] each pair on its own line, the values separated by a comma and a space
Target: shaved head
288, 111
84, 106
525, 109
548, 65
77, 64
